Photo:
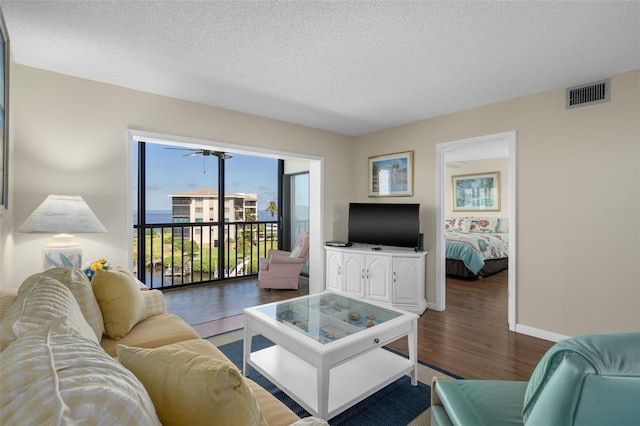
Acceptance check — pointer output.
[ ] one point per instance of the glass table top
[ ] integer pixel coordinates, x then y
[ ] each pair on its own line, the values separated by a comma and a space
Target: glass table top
327, 317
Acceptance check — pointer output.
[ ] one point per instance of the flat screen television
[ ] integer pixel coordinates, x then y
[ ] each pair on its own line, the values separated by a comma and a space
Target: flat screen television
395, 225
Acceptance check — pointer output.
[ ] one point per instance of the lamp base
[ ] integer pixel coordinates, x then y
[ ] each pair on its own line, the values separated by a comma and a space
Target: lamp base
62, 252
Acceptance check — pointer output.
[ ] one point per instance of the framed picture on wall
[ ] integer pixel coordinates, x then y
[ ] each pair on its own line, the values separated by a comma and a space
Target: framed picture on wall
4, 115
391, 175
476, 192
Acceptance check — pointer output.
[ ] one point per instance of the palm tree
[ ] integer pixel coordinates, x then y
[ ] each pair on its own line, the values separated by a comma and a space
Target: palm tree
249, 215
272, 208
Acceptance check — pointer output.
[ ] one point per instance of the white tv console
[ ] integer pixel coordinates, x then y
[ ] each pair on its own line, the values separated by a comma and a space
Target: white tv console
393, 277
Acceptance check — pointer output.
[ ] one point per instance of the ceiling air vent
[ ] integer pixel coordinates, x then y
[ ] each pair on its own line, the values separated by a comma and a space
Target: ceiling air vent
588, 94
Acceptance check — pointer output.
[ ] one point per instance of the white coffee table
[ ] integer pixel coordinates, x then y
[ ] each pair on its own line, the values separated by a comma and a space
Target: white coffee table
328, 352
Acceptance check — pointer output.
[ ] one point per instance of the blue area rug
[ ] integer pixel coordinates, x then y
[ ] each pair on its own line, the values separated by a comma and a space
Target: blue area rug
397, 404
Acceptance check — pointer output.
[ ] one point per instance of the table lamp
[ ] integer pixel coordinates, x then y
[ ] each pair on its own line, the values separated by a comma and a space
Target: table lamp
62, 215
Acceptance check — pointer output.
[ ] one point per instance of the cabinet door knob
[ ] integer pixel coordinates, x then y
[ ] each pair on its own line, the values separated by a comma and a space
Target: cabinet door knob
376, 340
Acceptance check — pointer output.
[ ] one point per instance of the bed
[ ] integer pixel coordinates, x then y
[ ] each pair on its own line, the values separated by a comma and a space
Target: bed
476, 247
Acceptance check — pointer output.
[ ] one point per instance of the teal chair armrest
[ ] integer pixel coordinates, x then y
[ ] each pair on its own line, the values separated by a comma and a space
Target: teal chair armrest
564, 385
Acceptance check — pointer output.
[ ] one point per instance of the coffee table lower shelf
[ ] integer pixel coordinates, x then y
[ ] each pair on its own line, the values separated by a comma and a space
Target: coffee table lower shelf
349, 382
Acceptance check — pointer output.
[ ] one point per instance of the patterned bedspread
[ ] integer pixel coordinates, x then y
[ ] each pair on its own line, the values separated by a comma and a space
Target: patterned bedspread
474, 248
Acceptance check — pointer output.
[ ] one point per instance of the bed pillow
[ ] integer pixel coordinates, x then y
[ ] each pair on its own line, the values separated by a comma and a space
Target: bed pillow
503, 225
464, 225
450, 225
484, 225
191, 389
120, 300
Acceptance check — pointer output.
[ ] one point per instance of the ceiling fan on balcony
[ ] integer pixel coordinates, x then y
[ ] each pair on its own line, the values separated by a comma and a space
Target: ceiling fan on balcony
205, 153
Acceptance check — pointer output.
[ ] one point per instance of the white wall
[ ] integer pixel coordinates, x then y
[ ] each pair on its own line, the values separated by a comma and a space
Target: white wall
578, 201
70, 137
578, 193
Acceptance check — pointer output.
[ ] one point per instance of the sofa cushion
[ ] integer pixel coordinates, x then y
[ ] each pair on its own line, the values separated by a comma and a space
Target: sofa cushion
473, 402
7, 297
152, 332
40, 301
54, 376
189, 388
120, 300
80, 286
273, 410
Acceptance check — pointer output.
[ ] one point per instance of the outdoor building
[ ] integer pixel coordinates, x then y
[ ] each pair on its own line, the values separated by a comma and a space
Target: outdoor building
201, 206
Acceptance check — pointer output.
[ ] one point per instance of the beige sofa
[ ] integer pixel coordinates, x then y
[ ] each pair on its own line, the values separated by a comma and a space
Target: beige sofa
105, 352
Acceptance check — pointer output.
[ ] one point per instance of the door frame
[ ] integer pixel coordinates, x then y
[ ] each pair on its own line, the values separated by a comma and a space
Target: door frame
509, 141
316, 179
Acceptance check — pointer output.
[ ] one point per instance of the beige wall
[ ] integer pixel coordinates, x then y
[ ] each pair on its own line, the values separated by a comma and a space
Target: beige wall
578, 186
70, 137
578, 201
500, 165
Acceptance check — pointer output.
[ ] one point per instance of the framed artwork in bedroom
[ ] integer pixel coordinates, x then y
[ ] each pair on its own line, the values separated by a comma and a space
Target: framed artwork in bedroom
391, 175
4, 115
476, 192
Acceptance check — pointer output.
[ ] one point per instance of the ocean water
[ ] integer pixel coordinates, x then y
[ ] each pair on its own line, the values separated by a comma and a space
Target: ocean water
154, 216
164, 216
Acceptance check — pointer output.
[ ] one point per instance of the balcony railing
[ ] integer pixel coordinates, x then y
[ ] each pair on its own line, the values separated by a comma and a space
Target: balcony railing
179, 254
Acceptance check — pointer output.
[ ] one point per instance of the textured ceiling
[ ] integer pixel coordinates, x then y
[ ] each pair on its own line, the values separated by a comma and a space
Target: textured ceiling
347, 66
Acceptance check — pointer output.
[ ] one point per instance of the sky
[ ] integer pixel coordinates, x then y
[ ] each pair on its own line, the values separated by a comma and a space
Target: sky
170, 172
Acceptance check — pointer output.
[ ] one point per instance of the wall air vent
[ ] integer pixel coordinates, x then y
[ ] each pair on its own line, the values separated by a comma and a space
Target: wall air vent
588, 94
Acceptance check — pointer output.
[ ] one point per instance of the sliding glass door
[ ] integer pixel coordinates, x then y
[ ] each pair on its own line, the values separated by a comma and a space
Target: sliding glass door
185, 231
296, 202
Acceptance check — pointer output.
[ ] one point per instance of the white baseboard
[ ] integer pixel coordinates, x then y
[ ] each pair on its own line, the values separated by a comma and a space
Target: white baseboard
524, 329
540, 334
431, 305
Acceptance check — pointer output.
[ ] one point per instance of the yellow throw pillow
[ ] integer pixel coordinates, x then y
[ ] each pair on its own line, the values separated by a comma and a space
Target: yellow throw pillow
192, 389
120, 300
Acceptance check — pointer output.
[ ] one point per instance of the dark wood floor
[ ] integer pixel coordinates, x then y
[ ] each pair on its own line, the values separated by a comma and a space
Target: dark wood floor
471, 338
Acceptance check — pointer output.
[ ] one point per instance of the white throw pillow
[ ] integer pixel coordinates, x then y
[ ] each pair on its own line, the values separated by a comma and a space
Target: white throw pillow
80, 286
54, 376
296, 251
39, 302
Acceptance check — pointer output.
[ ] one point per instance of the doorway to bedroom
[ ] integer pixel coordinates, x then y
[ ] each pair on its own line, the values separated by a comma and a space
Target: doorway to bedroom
476, 203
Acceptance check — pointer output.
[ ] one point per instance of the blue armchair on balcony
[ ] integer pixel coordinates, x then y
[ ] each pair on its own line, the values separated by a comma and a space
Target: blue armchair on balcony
586, 380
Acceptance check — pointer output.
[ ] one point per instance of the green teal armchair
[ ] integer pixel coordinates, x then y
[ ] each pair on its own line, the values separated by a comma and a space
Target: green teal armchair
586, 380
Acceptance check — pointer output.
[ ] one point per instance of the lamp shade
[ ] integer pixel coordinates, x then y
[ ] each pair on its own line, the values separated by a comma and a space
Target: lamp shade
62, 214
